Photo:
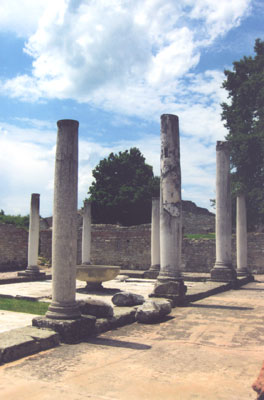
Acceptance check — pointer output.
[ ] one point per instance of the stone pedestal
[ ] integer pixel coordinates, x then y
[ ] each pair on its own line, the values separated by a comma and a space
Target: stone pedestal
153, 272
223, 270
86, 234
32, 270
64, 236
241, 236
170, 282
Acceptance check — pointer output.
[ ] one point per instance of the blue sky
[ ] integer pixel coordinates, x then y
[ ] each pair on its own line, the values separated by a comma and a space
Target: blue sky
115, 66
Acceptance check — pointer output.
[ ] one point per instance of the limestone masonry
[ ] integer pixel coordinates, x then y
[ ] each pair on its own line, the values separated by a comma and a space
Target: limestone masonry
130, 246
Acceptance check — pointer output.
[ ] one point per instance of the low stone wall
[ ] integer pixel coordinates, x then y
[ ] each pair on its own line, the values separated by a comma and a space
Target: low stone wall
13, 247
129, 247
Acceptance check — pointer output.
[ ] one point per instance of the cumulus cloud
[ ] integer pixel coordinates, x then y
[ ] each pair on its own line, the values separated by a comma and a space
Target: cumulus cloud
119, 54
21, 17
134, 58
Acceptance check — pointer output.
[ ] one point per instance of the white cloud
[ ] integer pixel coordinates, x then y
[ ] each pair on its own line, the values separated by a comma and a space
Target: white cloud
132, 58
119, 54
21, 17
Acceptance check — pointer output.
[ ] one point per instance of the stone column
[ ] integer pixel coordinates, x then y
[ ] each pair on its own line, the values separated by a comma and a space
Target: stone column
223, 270
33, 240
86, 233
153, 272
170, 282
241, 235
64, 235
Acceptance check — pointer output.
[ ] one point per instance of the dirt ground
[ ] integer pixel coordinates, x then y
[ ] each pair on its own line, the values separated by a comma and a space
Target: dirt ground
212, 349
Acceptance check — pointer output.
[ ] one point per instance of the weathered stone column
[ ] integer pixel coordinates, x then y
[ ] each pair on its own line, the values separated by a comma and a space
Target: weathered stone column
241, 235
86, 233
223, 270
33, 240
170, 282
64, 236
153, 272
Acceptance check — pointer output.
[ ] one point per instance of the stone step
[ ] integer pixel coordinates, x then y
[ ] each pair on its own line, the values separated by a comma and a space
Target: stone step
22, 342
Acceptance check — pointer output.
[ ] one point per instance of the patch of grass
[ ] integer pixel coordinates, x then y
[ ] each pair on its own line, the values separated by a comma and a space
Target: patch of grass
25, 306
200, 236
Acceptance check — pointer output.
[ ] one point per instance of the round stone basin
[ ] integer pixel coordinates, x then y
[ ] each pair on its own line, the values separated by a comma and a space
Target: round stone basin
94, 275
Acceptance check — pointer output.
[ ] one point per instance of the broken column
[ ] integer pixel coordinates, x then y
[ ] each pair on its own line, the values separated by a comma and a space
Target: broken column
64, 234
170, 282
223, 270
86, 233
153, 272
32, 270
241, 235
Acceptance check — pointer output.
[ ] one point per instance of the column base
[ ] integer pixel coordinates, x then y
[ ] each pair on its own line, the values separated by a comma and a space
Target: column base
243, 272
66, 311
173, 290
153, 272
33, 272
223, 273
70, 331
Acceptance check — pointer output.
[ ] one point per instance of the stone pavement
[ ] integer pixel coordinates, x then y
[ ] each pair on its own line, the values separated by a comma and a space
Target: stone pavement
41, 291
209, 350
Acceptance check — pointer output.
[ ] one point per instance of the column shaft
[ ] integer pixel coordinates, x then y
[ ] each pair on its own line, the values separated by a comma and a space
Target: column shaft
33, 235
223, 270
170, 283
64, 237
241, 235
86, 233
155, 234
154, 269
170, 201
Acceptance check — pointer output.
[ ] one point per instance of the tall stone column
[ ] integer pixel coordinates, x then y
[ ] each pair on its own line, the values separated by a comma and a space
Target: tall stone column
170, 282
241, 235
153, 272
223, 270
33, 240
64, 235
86, 233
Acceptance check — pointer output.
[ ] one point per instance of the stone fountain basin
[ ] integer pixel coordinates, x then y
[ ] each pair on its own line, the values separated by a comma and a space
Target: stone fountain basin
96, 273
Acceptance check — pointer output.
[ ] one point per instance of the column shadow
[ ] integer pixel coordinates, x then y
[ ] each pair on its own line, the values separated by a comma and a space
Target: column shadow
219, 307
119, 343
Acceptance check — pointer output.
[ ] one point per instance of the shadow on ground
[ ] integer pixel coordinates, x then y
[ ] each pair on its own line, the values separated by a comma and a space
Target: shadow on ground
119, 343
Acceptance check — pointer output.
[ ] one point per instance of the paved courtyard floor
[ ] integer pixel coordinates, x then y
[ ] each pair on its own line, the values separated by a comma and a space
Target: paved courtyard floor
211, 350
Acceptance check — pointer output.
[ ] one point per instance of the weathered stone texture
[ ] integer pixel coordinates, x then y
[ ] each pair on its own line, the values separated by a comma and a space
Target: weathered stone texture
13, 247
127, 299
152, 311
128, 247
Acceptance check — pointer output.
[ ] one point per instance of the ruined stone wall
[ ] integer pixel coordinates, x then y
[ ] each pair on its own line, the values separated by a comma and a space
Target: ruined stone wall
129, 247
125, 246
13, 247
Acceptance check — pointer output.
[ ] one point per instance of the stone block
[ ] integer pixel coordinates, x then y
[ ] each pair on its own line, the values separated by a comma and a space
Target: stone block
224, 274
121, 317
173, 290
152, 311
98, 308
70, 331
127, 299
23, 342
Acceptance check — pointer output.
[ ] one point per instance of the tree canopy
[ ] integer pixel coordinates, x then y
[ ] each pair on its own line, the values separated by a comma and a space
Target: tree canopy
123, 189
243, 116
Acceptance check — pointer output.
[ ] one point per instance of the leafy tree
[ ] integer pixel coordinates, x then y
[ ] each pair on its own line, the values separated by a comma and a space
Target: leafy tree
123, 189
244, 119
17, 220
